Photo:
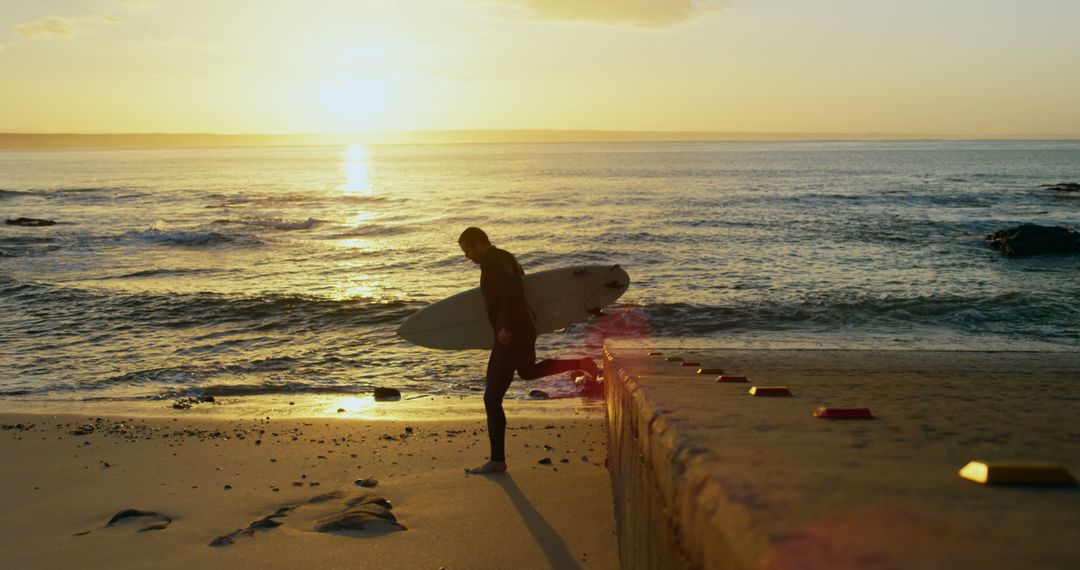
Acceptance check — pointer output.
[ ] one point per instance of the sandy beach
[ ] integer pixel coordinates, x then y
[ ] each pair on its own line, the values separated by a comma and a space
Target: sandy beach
261, 488
705, 475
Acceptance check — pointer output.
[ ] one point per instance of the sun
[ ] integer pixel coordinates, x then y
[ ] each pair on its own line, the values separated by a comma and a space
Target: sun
354, 104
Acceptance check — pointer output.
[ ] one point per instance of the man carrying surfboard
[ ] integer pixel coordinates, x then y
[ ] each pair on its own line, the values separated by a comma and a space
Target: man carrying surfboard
501, 283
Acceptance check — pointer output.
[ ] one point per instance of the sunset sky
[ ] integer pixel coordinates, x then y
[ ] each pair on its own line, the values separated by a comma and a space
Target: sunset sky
970, 67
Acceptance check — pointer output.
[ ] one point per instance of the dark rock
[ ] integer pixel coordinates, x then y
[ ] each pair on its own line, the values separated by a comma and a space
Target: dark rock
539, 394
30, 222
367, 482
85, 429
187, 403
383, 394
1033, 239
1063, 187
545, 461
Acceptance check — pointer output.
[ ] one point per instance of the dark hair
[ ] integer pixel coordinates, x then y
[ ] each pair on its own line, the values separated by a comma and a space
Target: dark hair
473, 236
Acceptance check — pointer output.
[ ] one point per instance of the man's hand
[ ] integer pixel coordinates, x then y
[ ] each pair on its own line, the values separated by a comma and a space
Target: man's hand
505, 336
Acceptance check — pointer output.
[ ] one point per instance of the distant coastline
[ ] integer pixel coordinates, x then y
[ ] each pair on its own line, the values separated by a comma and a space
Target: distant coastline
181, 140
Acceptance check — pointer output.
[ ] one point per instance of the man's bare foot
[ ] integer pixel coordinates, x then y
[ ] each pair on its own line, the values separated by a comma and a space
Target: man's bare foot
489, 467
590, 367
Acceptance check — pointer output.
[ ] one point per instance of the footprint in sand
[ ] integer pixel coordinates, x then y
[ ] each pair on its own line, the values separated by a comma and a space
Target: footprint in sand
127, 516
329, 512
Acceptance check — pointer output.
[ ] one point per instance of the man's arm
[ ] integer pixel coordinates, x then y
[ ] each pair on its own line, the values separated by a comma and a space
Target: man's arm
506, 284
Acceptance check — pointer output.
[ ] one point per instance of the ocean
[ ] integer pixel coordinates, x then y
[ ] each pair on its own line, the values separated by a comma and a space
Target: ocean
281, 270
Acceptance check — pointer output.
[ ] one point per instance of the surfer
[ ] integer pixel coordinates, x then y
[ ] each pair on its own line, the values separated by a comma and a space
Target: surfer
502, 286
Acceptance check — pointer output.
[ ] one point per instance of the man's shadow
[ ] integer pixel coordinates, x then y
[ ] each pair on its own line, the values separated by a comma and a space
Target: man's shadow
558, 555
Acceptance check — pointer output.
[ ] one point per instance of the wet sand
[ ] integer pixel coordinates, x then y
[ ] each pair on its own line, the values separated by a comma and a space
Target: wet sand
302, 492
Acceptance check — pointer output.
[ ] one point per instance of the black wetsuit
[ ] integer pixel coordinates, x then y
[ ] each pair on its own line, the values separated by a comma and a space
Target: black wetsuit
501, 282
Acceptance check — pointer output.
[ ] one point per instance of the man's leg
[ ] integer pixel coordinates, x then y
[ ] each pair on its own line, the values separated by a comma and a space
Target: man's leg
529, 369
500, 371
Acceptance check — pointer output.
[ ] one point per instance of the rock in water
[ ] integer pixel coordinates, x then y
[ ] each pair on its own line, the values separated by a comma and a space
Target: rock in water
1033, 239
387, 394
540, 394
1063, 187
31, 222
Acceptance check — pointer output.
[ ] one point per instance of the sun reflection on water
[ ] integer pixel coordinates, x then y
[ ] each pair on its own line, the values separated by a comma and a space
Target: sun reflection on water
360, 217
357, 175
362, 287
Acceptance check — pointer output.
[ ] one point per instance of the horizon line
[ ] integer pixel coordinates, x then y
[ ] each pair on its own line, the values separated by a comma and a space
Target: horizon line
31, 140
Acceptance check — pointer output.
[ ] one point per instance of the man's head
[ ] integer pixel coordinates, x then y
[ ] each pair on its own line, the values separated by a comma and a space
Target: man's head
475, 243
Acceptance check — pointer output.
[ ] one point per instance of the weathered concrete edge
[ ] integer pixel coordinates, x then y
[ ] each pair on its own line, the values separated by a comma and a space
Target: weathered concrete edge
671, 507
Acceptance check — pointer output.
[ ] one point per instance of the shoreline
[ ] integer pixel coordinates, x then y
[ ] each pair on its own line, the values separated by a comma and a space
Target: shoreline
318, 406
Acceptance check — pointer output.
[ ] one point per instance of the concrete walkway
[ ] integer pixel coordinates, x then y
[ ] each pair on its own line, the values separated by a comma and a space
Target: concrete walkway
707, 476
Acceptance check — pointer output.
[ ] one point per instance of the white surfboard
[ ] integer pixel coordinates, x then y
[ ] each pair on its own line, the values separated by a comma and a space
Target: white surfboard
558, 297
